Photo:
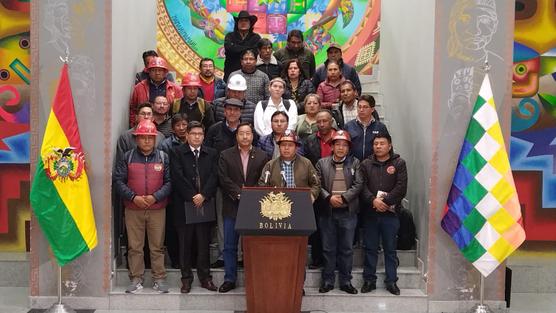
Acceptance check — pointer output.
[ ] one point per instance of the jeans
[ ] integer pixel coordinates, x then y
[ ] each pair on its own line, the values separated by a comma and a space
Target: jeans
315, 241
231, 239
384, 226
337, 232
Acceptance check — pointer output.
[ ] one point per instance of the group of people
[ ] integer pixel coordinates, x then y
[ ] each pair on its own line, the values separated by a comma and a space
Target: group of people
192, 147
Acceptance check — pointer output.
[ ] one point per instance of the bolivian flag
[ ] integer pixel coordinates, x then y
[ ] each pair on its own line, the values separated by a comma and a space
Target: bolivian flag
60, 194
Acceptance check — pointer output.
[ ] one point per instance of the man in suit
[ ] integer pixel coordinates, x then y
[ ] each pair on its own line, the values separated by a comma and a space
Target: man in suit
192, 170
238, 166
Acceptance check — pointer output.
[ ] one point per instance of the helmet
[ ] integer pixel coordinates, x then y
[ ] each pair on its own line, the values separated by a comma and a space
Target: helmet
191, 80
145, 127
290, 136
157, 62
341, 135
237, 83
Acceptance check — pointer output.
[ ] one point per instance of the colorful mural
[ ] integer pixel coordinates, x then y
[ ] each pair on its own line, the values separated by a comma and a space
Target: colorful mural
14, 124
191, 29
533, 133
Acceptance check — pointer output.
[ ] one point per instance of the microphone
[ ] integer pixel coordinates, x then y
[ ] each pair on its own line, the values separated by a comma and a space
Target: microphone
266, 174
283, 174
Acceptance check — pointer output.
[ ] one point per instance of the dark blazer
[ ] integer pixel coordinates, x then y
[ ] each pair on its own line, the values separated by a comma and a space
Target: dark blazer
231, 178
311, 148
353, 178
184, 174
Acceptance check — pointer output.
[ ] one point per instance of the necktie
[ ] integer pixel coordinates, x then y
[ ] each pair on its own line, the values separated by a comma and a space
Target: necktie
198, 178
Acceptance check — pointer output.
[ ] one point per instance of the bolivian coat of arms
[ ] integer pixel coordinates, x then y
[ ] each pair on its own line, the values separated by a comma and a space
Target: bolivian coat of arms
276, 206
64, 164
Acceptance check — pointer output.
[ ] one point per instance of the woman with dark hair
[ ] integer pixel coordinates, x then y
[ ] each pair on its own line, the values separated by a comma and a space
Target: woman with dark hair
297, 86
329, 90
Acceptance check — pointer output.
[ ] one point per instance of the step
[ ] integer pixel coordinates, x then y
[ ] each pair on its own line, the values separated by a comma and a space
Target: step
380, 300
408, 277
406, 257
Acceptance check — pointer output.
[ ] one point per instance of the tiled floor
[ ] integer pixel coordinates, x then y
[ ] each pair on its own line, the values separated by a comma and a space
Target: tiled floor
14, 300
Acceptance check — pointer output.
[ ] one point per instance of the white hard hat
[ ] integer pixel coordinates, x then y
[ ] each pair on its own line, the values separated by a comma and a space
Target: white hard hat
237, 83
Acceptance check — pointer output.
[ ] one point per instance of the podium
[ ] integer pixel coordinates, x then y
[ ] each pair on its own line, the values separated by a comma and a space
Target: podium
274, 224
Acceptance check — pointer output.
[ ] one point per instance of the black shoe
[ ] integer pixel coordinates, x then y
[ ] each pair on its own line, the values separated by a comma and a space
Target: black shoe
227, 286
393, 288
303, 293
349, 289
217, 264
368, 286
315, 265
326, 288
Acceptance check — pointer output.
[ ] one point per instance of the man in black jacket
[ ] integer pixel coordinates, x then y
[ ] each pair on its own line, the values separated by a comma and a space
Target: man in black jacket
338, 203
222, 136
238, 166
242, 38
385, 185
318, 146
192, 169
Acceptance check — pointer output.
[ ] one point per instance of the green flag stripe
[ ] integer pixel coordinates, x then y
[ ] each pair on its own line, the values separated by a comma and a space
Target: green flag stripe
55, 220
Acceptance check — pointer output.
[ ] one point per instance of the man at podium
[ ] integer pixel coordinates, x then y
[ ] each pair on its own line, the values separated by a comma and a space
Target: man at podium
289, 169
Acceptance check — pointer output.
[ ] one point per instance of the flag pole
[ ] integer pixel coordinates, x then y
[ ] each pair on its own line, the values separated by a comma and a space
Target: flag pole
60, 307
481, 307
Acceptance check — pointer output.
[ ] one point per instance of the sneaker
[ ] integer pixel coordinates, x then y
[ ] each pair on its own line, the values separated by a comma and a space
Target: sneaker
161, 286
134, 286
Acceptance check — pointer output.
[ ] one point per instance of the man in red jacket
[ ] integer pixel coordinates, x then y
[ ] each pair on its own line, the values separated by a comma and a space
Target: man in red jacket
156, 85
142, 179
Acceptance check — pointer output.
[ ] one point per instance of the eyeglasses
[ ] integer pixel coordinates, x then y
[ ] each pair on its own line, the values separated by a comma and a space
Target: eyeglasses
146, 113
196, 134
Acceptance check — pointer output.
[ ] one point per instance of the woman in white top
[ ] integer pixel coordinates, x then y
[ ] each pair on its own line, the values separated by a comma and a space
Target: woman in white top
265, 108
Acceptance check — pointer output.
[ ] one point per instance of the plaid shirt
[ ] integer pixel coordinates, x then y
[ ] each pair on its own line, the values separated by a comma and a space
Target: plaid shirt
287, 167
347, 113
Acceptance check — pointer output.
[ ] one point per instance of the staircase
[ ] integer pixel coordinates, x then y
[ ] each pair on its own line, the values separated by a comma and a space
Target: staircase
412, 298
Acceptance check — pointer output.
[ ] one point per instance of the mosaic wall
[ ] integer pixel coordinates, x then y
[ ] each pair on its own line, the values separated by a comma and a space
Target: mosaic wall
533, 141
191, 29
14, 125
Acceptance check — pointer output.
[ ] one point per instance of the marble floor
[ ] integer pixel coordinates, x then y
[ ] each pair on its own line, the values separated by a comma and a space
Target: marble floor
14, 300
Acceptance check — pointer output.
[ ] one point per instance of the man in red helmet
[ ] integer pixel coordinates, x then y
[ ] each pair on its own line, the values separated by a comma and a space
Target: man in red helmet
156, 85
290, 170
196, 108
142, 179
338, 204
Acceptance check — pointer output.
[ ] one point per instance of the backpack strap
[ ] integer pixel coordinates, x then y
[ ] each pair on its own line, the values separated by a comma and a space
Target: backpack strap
202, 107
286, 102
264, 104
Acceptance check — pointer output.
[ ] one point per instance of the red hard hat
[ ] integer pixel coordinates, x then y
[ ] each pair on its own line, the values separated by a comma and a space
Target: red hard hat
290, 136
157, 62
145, 127
341, 135
191, 80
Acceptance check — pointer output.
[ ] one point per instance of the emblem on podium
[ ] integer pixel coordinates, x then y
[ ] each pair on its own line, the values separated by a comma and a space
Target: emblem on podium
276, 206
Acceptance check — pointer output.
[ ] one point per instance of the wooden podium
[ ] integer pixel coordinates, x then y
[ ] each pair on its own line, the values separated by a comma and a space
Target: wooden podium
274, 224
